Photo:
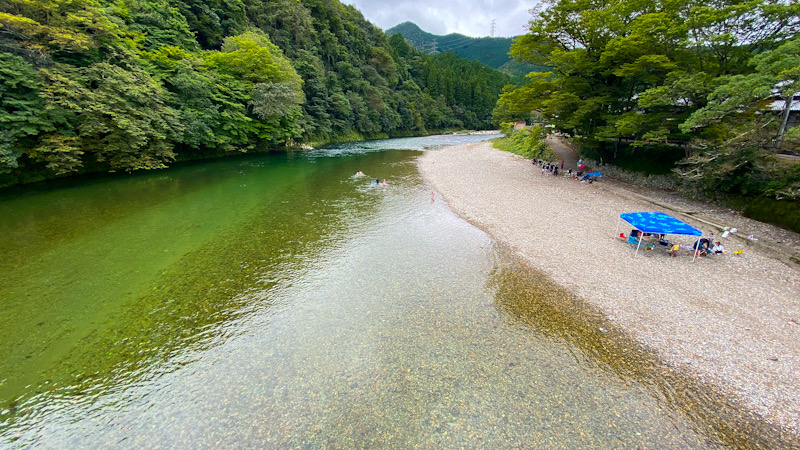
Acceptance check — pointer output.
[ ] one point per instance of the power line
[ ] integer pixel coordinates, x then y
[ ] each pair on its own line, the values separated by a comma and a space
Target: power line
456, 42
435, 46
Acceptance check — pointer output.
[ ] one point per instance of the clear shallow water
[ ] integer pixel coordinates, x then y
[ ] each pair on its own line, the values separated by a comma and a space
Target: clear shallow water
278, 300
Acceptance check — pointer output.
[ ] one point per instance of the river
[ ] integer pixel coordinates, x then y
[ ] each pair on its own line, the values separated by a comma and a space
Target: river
278, 300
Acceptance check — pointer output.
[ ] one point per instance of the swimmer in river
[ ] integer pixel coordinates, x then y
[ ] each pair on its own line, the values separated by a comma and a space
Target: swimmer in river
359, 174
384, 181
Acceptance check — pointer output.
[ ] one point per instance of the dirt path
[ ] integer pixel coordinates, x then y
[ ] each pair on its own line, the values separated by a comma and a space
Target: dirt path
563, 151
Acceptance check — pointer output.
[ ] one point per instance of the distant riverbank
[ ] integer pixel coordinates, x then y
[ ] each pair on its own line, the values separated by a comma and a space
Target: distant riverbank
730, 321
19, 179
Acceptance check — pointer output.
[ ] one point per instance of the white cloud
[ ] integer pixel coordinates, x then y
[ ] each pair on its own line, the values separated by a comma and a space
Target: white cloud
469, 17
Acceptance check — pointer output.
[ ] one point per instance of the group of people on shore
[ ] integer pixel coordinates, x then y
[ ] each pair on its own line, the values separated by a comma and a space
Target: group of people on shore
552, 168
548, 168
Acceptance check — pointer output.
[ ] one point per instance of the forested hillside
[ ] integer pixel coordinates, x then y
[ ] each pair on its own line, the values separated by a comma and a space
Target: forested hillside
492, 51
88, 85
701, 79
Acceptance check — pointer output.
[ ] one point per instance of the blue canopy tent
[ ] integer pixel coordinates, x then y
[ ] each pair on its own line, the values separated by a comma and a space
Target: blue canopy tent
659, 223
591, 175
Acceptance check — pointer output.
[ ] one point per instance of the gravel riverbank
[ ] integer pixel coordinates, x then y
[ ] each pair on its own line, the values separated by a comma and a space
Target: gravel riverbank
733, 321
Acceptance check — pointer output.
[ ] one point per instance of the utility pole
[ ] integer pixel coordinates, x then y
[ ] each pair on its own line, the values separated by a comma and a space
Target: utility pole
493, 21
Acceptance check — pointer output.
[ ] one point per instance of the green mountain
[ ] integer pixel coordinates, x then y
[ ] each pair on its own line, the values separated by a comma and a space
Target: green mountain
491, 51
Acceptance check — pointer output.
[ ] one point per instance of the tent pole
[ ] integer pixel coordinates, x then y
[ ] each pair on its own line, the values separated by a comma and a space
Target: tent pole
640, 244
697, 247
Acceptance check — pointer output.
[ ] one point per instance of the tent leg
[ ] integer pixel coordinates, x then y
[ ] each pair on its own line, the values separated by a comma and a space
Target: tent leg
637, 247
696, 248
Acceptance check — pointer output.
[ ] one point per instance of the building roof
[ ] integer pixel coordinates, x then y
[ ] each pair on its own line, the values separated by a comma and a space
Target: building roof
779, 105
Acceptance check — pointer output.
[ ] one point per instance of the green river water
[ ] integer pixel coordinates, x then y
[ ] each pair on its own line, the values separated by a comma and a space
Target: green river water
279, 301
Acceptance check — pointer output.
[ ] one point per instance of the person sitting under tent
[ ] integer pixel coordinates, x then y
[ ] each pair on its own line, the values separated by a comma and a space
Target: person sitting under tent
702, 245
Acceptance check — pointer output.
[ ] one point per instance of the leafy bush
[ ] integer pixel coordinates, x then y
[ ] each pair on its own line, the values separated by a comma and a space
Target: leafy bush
528, 142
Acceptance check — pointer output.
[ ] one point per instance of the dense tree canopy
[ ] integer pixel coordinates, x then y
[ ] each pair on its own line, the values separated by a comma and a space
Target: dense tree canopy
697, 75
91, 85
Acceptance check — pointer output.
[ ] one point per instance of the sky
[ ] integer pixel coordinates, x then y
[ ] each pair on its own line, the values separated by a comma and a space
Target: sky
468, 17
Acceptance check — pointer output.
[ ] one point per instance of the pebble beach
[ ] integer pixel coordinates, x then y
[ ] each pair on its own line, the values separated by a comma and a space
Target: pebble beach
730, 321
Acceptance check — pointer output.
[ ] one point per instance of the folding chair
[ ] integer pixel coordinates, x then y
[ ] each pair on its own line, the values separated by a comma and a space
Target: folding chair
673, 250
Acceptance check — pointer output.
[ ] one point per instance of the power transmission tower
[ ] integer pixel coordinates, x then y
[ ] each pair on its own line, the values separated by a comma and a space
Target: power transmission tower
493, 21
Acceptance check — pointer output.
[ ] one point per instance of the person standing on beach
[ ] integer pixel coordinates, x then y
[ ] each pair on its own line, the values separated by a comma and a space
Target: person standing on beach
562, 164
